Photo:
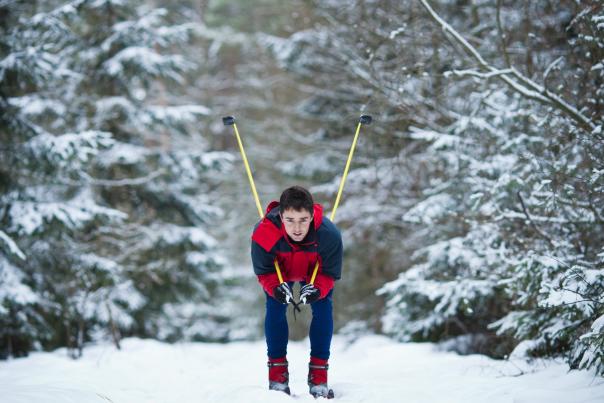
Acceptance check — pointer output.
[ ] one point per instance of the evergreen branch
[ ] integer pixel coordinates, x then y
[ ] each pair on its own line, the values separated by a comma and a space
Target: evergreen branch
589, 206
551, 220
575, 302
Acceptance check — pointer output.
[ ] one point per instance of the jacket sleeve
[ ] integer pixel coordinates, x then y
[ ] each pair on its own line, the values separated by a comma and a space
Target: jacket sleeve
324, 283
264, 268
330, 250
331, 253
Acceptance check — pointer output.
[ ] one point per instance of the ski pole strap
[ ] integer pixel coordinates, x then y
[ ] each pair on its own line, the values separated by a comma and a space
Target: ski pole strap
296, 308
315, 366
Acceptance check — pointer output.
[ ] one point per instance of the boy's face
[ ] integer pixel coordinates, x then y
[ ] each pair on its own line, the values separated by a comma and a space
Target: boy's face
297, 223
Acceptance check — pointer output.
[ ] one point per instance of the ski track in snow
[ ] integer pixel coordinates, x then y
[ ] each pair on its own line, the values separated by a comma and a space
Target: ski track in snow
373, 369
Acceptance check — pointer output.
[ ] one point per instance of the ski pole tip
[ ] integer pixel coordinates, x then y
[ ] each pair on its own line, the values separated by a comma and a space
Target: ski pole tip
228, 120
365, 119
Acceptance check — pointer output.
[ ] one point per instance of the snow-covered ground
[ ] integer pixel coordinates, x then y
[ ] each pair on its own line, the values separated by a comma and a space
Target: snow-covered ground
373, 369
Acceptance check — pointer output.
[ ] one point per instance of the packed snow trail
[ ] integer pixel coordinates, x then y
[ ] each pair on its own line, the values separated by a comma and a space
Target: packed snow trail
373, 369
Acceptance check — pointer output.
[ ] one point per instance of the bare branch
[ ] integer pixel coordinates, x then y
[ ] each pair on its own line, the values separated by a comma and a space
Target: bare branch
515, 79
124, 182
549, 69
528, 29
528, 217
474, 73
502, 35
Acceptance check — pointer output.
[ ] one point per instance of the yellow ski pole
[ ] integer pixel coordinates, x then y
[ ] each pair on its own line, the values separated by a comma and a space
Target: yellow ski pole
230, 121
364, 119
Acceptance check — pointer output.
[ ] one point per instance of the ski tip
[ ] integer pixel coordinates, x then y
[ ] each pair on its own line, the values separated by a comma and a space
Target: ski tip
228, 120
365, 119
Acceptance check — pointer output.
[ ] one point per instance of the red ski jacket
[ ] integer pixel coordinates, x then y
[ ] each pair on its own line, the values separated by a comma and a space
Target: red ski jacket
296, 259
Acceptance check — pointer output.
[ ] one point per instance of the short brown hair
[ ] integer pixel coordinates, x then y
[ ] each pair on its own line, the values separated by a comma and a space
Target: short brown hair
297, 198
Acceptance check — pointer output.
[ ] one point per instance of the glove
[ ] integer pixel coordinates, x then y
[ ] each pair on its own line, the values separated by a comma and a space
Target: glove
309, 294
283, 293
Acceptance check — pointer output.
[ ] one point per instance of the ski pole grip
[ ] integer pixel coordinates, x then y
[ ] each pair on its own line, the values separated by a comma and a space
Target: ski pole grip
228, 120
365, 119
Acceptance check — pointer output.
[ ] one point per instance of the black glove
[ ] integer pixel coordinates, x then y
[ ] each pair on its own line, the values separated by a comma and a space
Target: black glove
283, 293
309, 294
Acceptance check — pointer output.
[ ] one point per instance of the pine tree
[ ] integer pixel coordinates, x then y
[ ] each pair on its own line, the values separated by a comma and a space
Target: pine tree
521, 188
43, 214
104, 196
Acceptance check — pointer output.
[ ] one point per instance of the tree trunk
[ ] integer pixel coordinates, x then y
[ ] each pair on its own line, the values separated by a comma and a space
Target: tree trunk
115, 334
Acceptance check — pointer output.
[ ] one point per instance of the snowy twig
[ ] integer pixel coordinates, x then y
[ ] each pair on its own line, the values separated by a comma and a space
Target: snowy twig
541, 233
474, 73
593, 301
126, 181
549, 220
587, 206
549, 69
520, 373
515, 79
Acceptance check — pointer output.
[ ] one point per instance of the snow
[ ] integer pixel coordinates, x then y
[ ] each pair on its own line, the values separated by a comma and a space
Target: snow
524, 348
393, 34
31, 217
70, 149
176, 235
7, 244
33, 105
180, 112
598, 325
149, 61
431, 209
372, 369
123, 153
12, 287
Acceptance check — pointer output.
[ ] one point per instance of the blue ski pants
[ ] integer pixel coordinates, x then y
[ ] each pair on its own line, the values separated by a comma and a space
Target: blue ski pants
321, 327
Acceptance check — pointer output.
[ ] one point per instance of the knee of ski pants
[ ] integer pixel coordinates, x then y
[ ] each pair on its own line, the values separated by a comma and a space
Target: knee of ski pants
274, 307
323, 306
323, 303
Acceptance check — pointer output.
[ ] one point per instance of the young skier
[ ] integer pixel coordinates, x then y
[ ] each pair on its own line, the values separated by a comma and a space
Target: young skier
296, 234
